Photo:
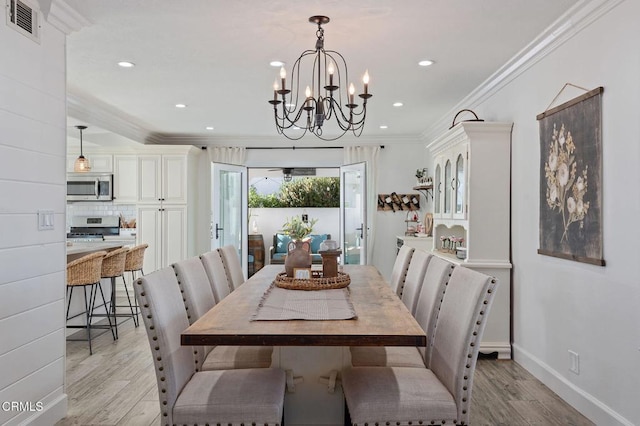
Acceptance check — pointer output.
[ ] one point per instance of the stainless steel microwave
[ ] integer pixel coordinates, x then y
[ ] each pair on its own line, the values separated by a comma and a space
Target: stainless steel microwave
89, 187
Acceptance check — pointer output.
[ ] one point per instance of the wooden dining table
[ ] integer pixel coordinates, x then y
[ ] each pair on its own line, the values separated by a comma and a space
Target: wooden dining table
311, 352
382, 319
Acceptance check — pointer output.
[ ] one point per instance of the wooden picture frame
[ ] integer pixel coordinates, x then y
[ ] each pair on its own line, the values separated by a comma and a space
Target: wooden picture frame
571, 180
302, 273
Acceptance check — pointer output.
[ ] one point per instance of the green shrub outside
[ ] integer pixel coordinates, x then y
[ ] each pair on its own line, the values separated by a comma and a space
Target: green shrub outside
305, 192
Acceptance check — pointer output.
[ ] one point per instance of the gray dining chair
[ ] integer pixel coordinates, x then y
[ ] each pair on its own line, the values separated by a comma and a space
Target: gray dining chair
198, 299
401, 356
232, 266
414, 279
429, 301
399, 271
214, 268
243, 396
442, 393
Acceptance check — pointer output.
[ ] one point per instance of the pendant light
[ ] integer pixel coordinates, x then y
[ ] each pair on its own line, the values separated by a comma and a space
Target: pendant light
81, 164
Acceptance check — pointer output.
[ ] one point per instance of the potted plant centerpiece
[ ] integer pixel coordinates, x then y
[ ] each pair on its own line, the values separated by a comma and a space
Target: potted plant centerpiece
299, 248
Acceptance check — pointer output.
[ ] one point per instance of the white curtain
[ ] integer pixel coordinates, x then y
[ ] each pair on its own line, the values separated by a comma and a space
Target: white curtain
369, 155
227, 154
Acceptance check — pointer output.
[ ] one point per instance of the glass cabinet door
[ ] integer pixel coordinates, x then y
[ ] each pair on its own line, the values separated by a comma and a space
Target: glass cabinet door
437, 190
447, 187
459, 185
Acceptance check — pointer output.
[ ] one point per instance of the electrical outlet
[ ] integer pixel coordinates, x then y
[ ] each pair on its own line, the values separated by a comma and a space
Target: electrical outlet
574, 362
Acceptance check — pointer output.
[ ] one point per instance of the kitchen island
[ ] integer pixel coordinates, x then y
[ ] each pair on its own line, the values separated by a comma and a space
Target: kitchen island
78, 249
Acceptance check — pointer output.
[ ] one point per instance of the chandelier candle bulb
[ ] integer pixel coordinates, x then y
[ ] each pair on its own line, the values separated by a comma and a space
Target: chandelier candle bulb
352, 91
365, 80
275, 90
283, 76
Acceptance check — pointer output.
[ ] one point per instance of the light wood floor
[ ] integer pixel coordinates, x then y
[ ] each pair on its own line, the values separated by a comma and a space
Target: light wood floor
117, 386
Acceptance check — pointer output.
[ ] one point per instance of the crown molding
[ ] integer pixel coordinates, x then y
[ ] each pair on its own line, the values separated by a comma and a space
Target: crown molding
580, 16
62, 16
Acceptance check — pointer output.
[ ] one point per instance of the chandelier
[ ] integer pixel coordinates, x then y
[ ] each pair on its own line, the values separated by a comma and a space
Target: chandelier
322, 101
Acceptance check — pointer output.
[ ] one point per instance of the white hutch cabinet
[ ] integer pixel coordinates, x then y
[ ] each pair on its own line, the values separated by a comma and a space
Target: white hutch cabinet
472, 181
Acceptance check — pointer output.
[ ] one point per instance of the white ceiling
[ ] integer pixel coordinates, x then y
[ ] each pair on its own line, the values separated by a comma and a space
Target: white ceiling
214, 55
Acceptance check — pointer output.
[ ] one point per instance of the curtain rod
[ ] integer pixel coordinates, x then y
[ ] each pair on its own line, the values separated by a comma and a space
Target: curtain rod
293, 148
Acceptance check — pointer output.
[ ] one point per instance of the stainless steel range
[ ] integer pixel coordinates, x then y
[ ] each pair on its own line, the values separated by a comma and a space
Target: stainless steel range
96, 229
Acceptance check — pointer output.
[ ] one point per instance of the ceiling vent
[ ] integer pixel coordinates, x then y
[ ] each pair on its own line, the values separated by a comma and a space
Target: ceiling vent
23, 18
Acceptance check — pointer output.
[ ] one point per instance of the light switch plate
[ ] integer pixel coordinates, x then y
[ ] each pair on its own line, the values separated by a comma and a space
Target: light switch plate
45, 220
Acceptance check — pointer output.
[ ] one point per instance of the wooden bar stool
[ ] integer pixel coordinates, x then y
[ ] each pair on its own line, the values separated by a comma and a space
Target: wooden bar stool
133, 263
86, 272
112, 267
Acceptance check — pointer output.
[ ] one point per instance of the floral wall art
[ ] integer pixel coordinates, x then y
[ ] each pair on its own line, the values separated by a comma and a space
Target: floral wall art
571, 180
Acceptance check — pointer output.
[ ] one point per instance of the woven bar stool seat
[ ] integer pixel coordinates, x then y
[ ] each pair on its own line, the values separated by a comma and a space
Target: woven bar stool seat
112, 267
133, 263
87, 272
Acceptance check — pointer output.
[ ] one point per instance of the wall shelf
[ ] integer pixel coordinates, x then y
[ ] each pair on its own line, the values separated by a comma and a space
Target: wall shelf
426, 190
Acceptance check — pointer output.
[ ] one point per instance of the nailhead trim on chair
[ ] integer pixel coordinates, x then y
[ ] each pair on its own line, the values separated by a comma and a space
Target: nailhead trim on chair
186, 307
158, 358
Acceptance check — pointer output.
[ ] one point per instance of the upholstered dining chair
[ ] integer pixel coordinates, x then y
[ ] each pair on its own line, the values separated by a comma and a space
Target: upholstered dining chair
432, 292
232, 266
442, 393
212, 263
400, 356
246, 396
198, 299
400, 266
414, 279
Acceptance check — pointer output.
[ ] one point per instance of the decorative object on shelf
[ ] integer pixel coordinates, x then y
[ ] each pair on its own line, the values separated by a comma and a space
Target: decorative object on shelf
428, 224
82, 163
316, 282
450, 244
329, 74
398, 202
422, 177
571, 179
298, 249
460, 112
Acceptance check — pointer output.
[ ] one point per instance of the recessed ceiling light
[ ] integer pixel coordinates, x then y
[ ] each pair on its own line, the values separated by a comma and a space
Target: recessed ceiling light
181, 106
397, 104
384, 127
276, 63
126, 64
425, 63
209, 127
290, 105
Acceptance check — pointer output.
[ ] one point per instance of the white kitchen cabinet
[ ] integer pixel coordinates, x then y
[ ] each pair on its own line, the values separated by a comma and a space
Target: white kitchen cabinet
164, 228
100, 163
162, 178
472, 164
125, 179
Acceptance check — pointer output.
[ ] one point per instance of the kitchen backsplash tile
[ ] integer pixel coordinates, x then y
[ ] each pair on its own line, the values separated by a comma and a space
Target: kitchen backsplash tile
128, 211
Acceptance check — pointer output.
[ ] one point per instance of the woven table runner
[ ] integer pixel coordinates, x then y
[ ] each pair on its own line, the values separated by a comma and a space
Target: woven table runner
278, 304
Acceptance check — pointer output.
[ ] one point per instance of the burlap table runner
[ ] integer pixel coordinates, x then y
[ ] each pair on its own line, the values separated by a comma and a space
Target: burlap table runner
278, 304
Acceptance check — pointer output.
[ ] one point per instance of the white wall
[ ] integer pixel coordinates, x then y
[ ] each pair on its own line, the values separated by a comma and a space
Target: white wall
560, 305
32, 177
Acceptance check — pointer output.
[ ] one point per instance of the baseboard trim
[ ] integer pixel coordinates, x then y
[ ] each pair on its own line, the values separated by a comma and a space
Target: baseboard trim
503, 349
54, 409
591, 407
